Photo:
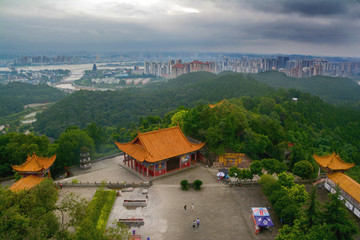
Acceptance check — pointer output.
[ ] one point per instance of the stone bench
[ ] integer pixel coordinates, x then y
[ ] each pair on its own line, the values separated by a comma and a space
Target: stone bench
135, 203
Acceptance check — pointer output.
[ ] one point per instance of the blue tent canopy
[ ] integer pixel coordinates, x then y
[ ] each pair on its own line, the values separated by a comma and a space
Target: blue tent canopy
262, 217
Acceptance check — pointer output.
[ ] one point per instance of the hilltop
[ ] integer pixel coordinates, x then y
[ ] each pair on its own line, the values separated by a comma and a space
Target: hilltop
337, 90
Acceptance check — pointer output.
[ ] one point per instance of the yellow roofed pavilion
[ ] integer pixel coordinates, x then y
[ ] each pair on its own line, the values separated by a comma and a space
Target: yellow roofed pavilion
35, 165
33, 170
332, 162
159, 145
26, 183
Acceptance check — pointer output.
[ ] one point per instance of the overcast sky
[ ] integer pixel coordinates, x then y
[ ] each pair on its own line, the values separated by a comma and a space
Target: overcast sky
329, 28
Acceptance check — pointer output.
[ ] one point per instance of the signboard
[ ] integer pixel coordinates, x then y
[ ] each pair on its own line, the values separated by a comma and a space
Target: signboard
341, 197
349, 205
332, 191
231, 159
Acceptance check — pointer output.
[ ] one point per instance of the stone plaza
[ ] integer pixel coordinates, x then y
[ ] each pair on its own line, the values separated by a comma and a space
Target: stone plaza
224, 211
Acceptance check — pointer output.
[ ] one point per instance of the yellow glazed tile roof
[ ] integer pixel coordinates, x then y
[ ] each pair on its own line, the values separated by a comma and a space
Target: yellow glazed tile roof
333, 161
26, 183
349, 185
159, 145
217, 104
35, 164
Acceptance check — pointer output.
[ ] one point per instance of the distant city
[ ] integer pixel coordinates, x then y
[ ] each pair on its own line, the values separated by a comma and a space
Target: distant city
171, 65
297, 68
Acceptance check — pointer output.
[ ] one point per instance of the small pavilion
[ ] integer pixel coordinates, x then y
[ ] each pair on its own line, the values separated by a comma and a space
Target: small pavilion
349, 188
333, 162
159, 152
33, 171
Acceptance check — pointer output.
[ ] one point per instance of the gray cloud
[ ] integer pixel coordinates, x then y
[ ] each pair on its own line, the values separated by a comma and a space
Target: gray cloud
318, 27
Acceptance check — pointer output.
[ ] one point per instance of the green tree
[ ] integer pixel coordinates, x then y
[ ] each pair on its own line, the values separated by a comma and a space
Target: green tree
69, 144
246, 174
256, 167
25, 215
273, 165
270, 184
14, 148
286, 180
303, 169
312, 211
298, 193
338, 219
96, 133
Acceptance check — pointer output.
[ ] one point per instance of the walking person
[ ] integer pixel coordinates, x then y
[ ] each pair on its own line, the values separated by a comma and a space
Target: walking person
192, 207
194, 222
185, 209
198, 222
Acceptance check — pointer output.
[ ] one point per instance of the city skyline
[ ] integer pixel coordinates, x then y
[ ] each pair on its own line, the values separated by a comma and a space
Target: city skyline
322, 28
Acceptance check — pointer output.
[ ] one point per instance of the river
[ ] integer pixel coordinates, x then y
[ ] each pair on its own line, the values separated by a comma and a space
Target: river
76, 71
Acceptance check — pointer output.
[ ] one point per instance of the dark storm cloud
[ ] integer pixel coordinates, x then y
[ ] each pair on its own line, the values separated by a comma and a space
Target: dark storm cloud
309, 8
314, 8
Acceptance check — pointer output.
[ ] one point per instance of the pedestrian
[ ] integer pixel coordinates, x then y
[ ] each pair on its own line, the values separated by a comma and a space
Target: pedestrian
60, 185
185, 208
194, 222
192, 207
147, 195
198, 222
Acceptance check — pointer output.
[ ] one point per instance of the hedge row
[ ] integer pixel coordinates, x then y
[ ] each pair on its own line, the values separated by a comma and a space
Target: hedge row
105, 211
100, 208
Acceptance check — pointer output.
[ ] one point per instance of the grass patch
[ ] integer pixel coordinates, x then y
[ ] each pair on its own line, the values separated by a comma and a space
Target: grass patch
100, 208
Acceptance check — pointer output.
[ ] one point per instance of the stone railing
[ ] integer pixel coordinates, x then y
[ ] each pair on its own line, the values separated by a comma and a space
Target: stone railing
105, 184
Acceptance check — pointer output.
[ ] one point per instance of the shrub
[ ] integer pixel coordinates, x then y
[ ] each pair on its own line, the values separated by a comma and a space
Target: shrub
256, 167
184, 184
303, 169
197, 184
75, 181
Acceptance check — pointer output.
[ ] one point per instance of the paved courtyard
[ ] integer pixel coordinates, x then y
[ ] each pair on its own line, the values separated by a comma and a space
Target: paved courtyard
110, 170
224, 211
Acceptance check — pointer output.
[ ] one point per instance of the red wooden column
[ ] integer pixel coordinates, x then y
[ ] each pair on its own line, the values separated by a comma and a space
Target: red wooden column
124, 158
143, 170
180, 162
154, 171
128, 160
190, 160
132, 165
139, 165
165, 167
195, 156
147, 171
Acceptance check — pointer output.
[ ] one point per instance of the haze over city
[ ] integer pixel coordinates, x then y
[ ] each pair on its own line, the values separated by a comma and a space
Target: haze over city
323, 28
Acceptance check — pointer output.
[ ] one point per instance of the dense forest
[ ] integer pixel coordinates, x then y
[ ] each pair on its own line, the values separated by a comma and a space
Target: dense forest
123, 107
256, 119
335, 90
14, 96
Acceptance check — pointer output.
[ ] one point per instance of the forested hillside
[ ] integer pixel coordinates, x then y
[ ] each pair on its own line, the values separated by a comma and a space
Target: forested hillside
14, 96
261, 126
123, 107
331, 89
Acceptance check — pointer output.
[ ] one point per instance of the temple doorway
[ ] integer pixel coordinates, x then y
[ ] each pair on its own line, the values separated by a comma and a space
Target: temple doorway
172, 163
